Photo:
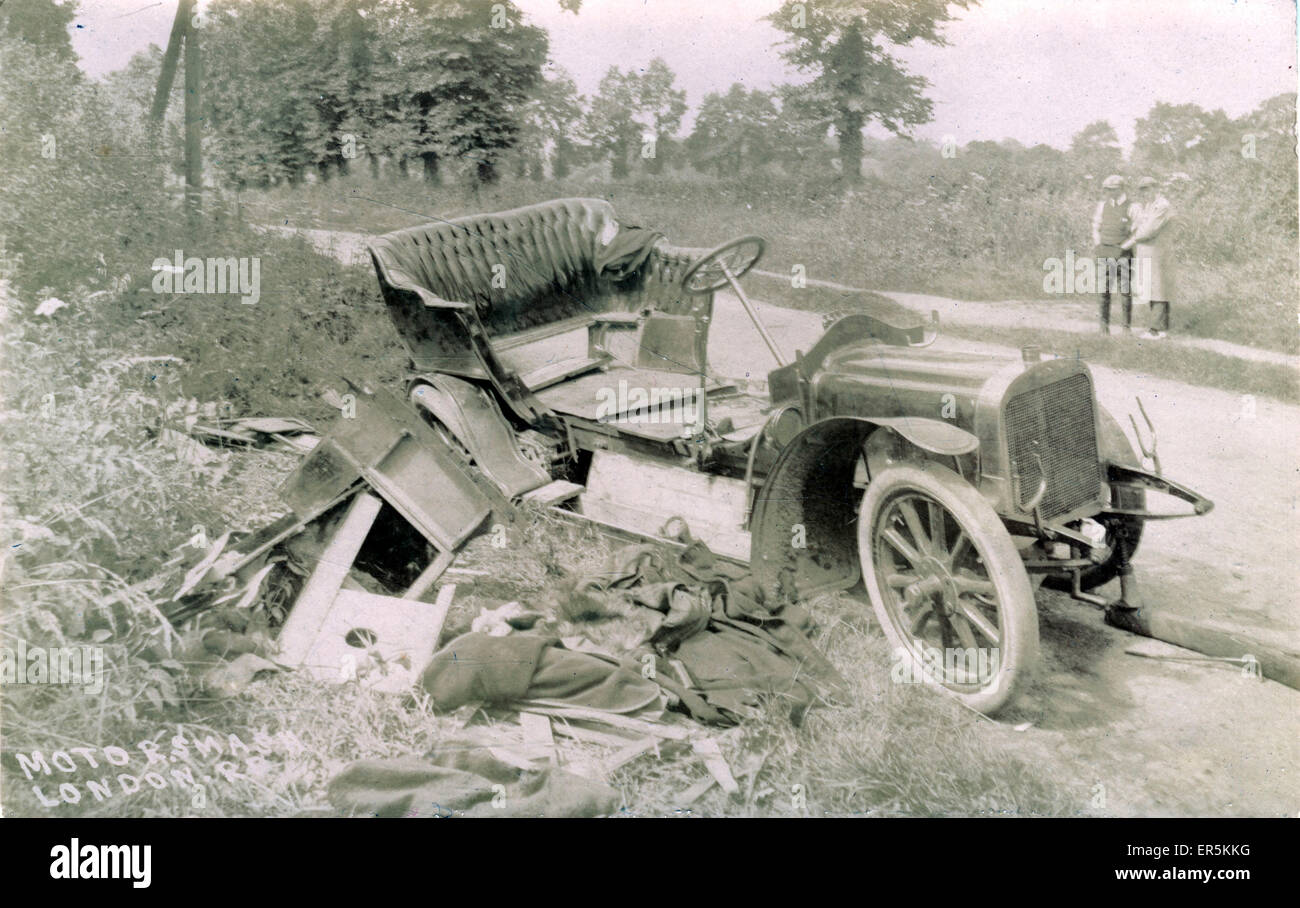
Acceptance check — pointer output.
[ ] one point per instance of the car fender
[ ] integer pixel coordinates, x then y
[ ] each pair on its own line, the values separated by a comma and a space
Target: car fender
802, 528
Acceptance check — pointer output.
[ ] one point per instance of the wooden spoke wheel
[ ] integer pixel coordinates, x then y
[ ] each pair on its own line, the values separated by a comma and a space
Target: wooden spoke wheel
947, 585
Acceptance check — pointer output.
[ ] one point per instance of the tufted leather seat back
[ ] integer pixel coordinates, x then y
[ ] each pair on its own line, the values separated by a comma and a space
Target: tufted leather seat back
515, 270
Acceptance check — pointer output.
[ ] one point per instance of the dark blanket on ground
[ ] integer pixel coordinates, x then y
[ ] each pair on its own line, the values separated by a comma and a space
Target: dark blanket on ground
465, 781
711, 619
736, 647
502, 670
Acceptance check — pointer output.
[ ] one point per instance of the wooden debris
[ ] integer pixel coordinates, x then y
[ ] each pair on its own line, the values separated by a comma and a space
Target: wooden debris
696, 791
318, 593
196, 574
641, 726
631, 752
553, 493
716, 764
429, 576
382, 642
591, 735
537, 735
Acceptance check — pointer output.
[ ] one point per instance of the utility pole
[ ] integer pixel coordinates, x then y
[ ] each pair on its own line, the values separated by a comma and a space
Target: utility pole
193, 123
184, 32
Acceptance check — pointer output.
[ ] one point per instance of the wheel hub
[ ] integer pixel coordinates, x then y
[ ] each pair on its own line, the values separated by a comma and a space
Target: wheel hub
936, 583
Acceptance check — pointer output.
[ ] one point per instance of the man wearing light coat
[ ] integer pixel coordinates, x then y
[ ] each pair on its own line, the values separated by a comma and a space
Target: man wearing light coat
1153, 262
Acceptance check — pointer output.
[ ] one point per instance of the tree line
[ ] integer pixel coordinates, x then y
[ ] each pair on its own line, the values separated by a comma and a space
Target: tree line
296, 86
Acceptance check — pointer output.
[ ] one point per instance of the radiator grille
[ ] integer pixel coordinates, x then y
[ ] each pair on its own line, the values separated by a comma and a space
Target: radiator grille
1055, 422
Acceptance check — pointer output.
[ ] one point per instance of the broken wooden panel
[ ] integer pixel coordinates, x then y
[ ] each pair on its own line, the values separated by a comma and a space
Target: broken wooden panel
554, 493
381, 642
429, 576
321, 477
317, 596
388, 445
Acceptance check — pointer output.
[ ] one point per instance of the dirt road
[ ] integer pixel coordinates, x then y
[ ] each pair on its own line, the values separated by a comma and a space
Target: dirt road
1078, 317
1146, 737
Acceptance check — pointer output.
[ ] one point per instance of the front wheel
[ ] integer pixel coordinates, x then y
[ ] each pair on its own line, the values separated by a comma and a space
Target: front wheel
947, 585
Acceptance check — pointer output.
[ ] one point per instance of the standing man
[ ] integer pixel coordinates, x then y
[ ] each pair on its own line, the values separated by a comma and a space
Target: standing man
1152, 240
1111, 227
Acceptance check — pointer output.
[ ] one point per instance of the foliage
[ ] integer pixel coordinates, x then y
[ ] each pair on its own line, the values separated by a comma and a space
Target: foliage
734, 131
610, 125
1173, 135
72, 161
843, 45
1096, 148
550, 121
635, 114
407, 79
43, 24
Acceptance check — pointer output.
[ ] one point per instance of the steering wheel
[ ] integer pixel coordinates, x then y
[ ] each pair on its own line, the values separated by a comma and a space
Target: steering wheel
738, 256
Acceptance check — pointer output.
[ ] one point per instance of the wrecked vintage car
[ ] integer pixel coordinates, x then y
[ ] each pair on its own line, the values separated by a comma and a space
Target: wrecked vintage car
565, 357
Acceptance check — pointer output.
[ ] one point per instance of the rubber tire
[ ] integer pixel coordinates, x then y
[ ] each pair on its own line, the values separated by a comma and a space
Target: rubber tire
1018, 613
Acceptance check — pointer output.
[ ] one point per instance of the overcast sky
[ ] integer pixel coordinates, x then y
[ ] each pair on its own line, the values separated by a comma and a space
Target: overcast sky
1032, 70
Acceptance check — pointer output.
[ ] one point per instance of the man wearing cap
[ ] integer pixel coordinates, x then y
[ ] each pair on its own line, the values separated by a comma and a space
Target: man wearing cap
1111, 227
1152, 242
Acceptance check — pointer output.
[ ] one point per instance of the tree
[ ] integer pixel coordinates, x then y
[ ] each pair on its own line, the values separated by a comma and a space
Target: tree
610, 125
42, 23
803, 131
471, 78
1095, 149
1176, 134
841, 43
81, 181
266, 80
410, 79
734, 131
1097, 137
661, 108
551, 121
631, 108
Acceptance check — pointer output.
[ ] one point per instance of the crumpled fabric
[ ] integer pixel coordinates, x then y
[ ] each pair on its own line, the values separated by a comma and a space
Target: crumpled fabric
477, 667
463, 780
737, 648
626, 252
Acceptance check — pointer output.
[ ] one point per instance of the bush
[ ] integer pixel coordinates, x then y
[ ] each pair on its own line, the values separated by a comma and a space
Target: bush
85, 181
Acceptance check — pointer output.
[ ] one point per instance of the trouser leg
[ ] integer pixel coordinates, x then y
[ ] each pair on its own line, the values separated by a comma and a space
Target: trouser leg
1126, 290
1159, 315
1113, 281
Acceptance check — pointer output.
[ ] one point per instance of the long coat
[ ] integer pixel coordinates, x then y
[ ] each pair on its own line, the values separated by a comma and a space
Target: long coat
1153, 255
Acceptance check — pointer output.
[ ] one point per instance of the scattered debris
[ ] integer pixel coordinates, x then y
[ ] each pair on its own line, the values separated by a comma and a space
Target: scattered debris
50, 305
502, 620
229, 679
716, 764
263, 432
696, 791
